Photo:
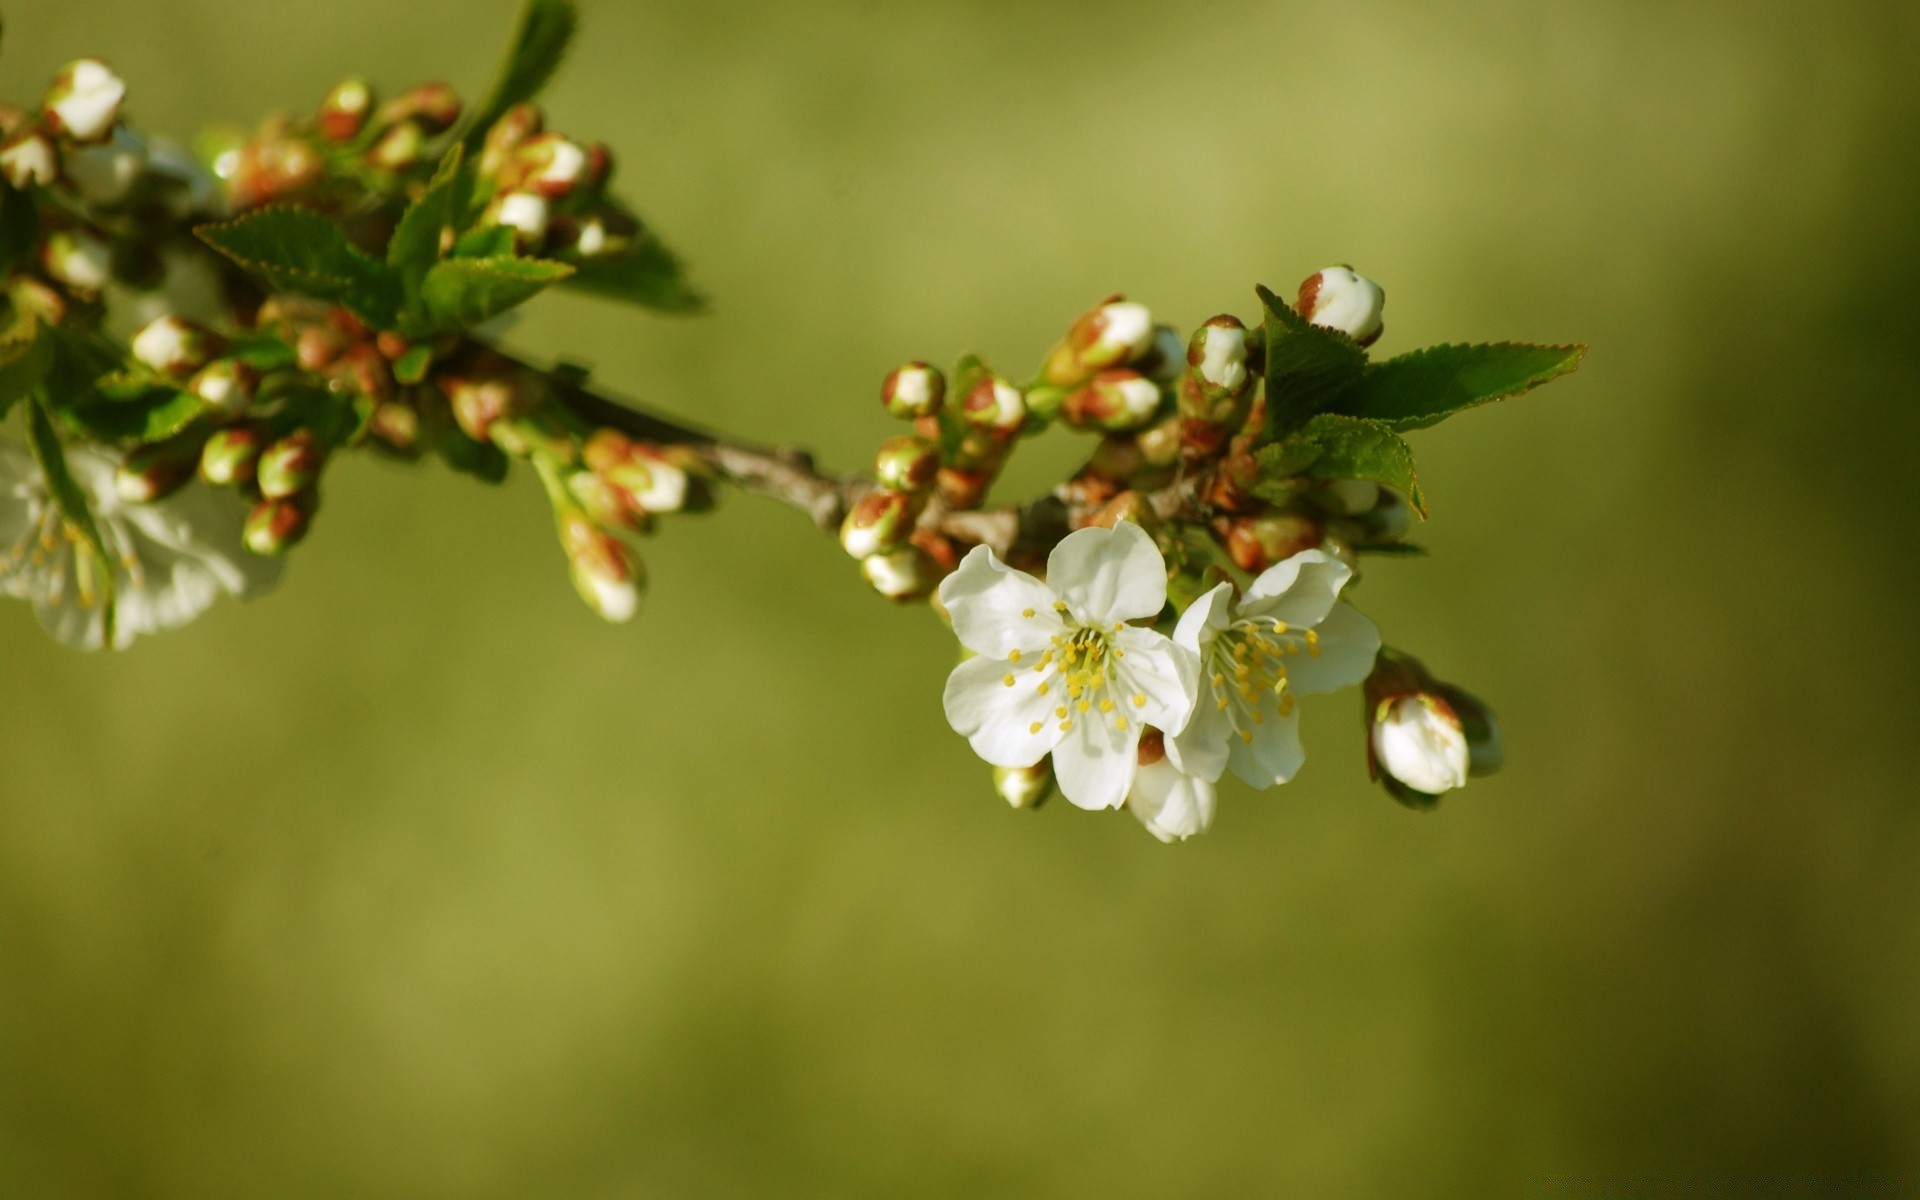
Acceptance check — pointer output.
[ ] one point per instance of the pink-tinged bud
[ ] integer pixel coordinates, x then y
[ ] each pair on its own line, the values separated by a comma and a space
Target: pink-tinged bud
400, 147
28, 159
527, 214
548, 165
344, 113
606, 573
290, 465
368, 372
915, 390
231, 455
1160, 442
227, 386
275, 526
318, 347
275, 165
84, 101
508, 134
1217, 360
1114, 333
155, 471
1340, 298
484, 391
995, 405
432, 106
1025, 787
1256, 543
607, 504
396, 427
880, 523
1115, 401
902, 575
649, 477
906, 464
176, 346
79, 260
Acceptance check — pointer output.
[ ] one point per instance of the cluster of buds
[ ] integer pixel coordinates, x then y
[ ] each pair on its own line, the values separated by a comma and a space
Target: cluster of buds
551, 191
1425, 737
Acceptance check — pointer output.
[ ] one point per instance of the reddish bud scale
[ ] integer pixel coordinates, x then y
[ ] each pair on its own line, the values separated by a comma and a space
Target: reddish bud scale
232, 455
914, 391
880, 522
275, 526
434, 107
485, 388
1111, 334
368, 372
343, 114
506, 135
1256, 543
397, 426
1114, 400
1127, 506
317, 348
962, 488
275, 165
906, 464
155, 471
290, 465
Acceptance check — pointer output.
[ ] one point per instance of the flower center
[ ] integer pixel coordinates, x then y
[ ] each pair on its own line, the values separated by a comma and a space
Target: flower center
1082, 671
1247, 671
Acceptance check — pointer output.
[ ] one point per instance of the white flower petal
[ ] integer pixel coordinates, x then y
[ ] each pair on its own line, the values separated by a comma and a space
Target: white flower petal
1205, 618
1421, 747
204, 523
1348, 643
999, 721
1299, 591
1094, 762
1170, 803
1273, 756
1109, 575
988, 601
1163, 675
1201, 748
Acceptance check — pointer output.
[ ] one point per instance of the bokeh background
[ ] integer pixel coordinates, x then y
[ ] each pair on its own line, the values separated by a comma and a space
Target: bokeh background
415, 881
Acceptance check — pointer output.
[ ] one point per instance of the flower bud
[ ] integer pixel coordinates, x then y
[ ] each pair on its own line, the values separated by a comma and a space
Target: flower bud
550, 166
1114, 401
1217, 368
902, 575
994, 404
1419, 741
1340, 298
597, 235
605, 572
231, 455
486, 389
227, 385
1114, 333
1256, 543
277, 164
434, 107
962, 488
608, 505
1025, 787
28, 159
1160, 442
277, 525
84, 101
396, 427
176, 346
343, 114
882, 521
526, 214
647, 475
507, 135
906, 464
156, 470
290, 465
79, 260
104, 175
400, 147
914, 390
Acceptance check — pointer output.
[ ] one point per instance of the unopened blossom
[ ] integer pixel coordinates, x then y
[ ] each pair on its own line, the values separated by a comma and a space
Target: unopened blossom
1288, 635
526, 214
1058, 668
84, 101
1342, 298
1419, 740
28, 160
171, 559
1171, 804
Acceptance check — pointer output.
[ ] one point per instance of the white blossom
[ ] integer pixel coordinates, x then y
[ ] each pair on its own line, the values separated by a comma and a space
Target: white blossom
1059, 670
171, 559
1286, 636
1172, 804
1342, 298
84, 101
1418, 740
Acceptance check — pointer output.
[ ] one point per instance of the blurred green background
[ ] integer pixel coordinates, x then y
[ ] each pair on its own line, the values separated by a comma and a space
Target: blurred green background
416, 881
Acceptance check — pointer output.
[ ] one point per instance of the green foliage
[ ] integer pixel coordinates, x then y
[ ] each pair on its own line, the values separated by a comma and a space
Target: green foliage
415, 245
488, 241
71, 499
1307, 366
302, 251
546, 29
411, 367
1331, 446
19, 228
25, 358
463, 292
650, 276
148, 413
1425, 387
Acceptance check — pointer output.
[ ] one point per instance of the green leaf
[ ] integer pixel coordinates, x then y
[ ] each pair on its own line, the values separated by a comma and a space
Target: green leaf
301, 251
546, 27
411, 367
1331, 446
267, 353
19, 228
24, 361
155, 414
488, 241
1307, 366
1425, 387
415, 245
463, 292
650, 276
71, 499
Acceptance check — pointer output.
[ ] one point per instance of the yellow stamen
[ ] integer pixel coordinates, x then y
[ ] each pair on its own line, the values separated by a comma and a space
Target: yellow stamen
1008, 681
1026, 612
